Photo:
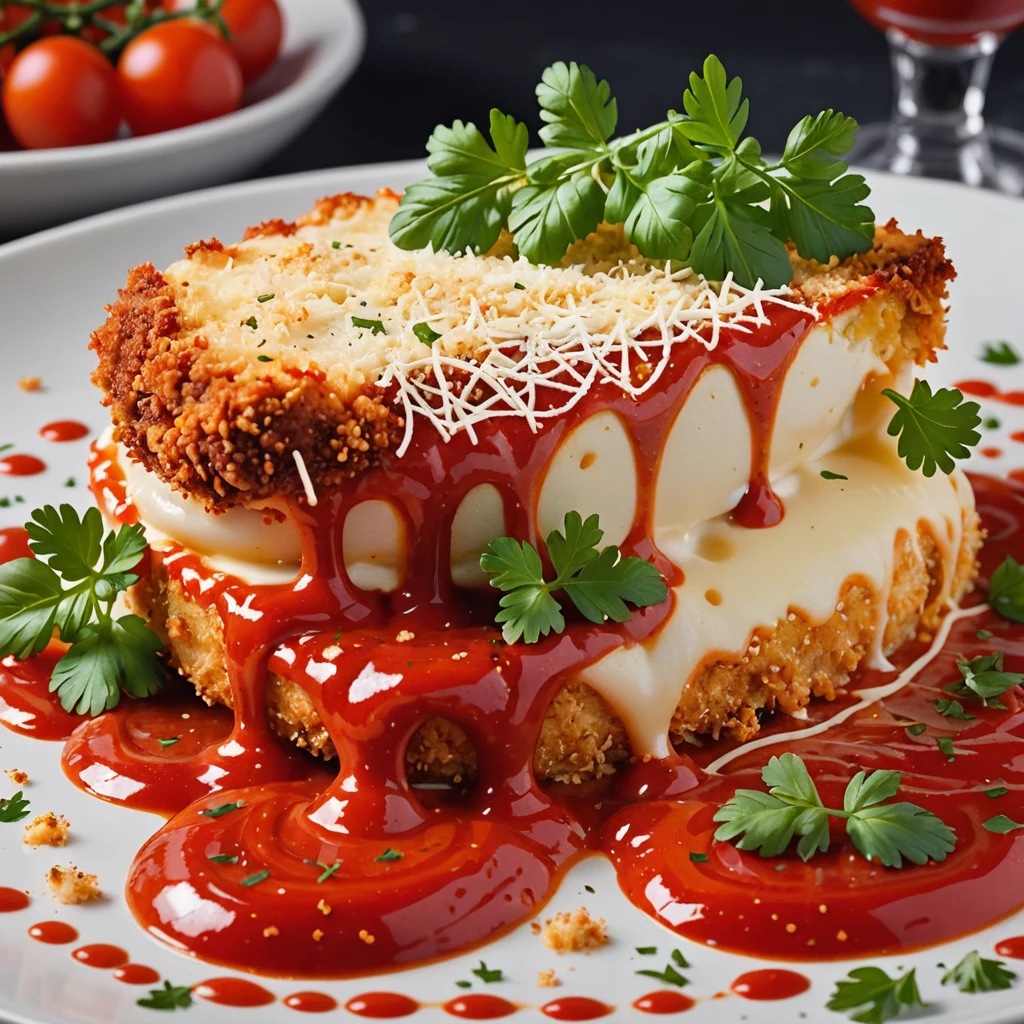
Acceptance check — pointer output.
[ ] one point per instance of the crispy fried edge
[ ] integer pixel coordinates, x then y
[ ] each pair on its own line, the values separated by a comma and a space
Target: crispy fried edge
225, 442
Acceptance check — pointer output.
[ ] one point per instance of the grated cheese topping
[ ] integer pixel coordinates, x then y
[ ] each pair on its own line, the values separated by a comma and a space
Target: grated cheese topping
519, 340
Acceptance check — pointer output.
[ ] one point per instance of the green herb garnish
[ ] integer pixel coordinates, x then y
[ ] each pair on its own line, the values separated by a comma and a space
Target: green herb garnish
996, 792
15, 808
265, 298
1001, 825
169, 742
984, 634
827, 474
374, 326
599, 583
170, 997
260, 876
949, 708
464, 984
224, 858
984, 677
874, 996
689, 188
264, 359
991, 423
916, 729
945, 744
647, 950
1001, 353
425, 333
698, 858
251, 322
485, 974
72, 585
388, 855
1006, 590
217, 812
973, 974
792, 807
669, 975
933, 428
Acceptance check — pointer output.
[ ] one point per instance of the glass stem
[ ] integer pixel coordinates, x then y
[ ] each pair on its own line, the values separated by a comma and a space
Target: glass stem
939, 92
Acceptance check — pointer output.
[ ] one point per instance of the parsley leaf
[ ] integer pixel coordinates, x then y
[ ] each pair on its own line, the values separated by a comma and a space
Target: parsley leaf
973, 974
1002, 825
934, 429
259, 876
996, 792
485, 974
874, 996
827, 474
224, 858
218, 812
687, 188
170, 997
388, 855
373, 326
949, 708
669, 976
984, 677
1006, 590
425, 333
1001, 353
599, 583
14, 809
106, 655
887, 832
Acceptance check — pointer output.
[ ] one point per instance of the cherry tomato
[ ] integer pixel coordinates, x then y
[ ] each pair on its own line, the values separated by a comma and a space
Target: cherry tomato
178, 73
61, 91
256, 27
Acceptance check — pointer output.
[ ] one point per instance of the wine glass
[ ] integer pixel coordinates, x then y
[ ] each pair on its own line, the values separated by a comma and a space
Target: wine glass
942, 52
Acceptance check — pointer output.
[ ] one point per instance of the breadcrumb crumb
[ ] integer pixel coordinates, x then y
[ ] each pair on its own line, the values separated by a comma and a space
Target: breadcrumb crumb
575, 932
17, 776
366, 937
47, 830
270, 932
30, 383
317, 935
324, 908
69, 885
547, 979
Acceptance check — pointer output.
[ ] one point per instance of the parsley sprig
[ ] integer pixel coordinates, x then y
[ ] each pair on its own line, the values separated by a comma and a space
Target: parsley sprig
690, 188
975, 974
933, 428
71, 585
983, 677
170, 997
598, 582
14, 808
1006, 590
1000, 353
792, 807
874, 997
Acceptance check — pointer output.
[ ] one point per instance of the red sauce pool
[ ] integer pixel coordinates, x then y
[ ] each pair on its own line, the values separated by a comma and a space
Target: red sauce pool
12, 899
14, 544
664, 1001
480, 1006
983, 389
26, 704
21, 465
382, 1005
310, 1002
990, 453
770, 984
1013, 948
576, 1008
101, 955
137, 974
53, 933
233, 992
63, 430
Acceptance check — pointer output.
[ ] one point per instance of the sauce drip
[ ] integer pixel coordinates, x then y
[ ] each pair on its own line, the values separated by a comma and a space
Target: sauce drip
310, 1002
12, 900
983, 389
576, 1008
1013, 948
63, 430
101, 955
382, 1005
233, 992
480, 1006
770, 984
137, 974
53, 933
21, 465
664, 1001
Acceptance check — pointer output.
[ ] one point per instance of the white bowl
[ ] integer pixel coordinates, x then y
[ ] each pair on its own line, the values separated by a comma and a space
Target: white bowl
322, 45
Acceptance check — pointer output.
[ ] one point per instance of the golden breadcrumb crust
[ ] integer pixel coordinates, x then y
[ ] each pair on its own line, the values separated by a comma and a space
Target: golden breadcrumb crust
17, 776
224, 428
47, 830
581, 739
69, 885
576, 932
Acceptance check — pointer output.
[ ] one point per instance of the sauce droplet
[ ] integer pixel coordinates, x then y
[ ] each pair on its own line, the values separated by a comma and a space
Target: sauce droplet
137, 974
311, 1002
21, 465
233, 992
576, 1008
770, 984
1013, 948
12, 899
664, 1001
480, 1006
63, 430
54, 933
14, 544
382, 1005
101, 955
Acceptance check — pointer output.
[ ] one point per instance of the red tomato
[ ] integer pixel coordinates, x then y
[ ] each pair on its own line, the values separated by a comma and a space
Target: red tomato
178, 73
61, 92
256, 27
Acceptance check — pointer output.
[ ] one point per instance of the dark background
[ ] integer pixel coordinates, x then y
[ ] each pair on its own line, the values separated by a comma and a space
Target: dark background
438, 60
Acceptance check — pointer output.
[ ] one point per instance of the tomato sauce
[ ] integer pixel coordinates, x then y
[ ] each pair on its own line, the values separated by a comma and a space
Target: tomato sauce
310, 1002
382, 1005
102, 955
63, 430
480, 1006
21, 465
53, 933
983, 389
137, 974
770, 984
261, 838
665, 1000
576, 1008
12, 900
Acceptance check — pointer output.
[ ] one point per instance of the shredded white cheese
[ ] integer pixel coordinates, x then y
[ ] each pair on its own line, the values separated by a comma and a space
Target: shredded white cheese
307, 483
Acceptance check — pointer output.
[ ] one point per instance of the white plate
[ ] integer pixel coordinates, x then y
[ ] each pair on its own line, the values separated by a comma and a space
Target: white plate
322, 45
52, 287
